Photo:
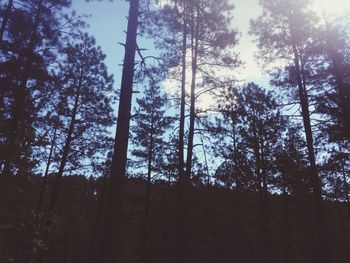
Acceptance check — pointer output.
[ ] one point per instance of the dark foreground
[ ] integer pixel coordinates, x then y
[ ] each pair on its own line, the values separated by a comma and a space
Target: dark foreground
220, 225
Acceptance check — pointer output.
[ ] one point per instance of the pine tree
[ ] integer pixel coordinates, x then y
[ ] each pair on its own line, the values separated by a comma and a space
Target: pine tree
84, 112
284, 32
113, 200
148, 137
234, 172
261, 126
332, 79
30, 40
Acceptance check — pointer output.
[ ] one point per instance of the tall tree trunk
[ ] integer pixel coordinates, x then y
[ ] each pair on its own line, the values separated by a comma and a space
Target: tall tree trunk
45, 177
57, 184
114, 190
194, 49
183, 250
66, 150
320, 252
183, 96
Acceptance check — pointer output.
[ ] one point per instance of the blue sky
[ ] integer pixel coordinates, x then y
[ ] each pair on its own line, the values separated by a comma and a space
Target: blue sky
107, 23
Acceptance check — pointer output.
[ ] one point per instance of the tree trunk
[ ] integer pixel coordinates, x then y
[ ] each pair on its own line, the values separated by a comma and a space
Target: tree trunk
194, 44
56, 187
45, 177
263, 199
114, 190
183, 250
320, 252
66, 149
183, 97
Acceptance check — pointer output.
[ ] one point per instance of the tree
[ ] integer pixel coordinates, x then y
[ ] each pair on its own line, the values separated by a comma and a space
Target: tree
199, 45
31, 38
84, 112
206, 39
114, 189
150, 127
332, 46
261, 125
84, 108
292, 181
283, 34
235, 171
211, 38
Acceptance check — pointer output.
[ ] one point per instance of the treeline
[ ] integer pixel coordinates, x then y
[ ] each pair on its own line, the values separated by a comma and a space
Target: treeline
278, 157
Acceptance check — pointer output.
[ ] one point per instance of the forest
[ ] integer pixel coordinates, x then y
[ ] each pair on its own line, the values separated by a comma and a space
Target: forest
179, 160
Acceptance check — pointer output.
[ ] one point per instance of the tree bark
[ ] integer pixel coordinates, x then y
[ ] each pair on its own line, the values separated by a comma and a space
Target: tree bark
45, 177
114, 190
320, 252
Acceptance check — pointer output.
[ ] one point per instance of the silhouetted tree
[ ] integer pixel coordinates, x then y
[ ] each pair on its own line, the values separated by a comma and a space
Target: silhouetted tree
148, 136
28, 48
332, 79
118, 168
84, 108
283, 33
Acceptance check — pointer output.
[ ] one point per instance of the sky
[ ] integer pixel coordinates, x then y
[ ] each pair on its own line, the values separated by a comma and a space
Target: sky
107, 23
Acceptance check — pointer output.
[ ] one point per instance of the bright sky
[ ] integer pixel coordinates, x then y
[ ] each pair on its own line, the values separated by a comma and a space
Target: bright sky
108, 22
